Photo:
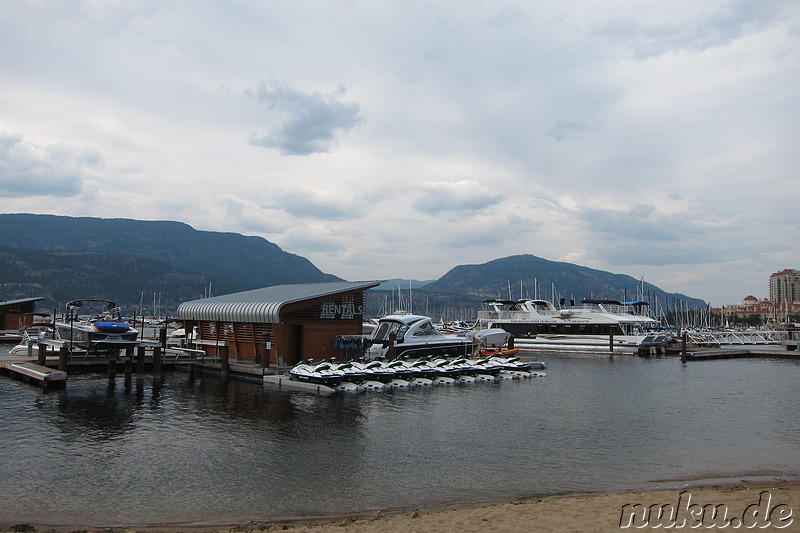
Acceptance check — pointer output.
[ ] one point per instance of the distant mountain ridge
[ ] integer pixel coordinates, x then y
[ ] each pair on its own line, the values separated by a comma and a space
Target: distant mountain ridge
63, 258
240, 261
528, 276
59, 277
230, 262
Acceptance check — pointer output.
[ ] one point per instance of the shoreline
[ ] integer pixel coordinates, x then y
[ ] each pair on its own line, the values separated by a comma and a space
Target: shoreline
601, 511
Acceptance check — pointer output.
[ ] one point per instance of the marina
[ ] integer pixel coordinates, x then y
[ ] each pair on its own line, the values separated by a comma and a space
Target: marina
221, 421
130, 449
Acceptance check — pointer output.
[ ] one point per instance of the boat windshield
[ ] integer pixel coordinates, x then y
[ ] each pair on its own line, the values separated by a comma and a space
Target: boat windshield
426, 329
388, 328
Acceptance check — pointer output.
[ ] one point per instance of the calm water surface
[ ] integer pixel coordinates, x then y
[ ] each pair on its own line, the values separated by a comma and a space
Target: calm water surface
136, 451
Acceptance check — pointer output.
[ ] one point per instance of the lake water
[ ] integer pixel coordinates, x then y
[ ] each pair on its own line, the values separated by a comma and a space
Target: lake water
135, 451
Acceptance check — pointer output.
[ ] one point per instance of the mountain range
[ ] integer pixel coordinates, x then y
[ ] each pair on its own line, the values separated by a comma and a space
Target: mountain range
147, 264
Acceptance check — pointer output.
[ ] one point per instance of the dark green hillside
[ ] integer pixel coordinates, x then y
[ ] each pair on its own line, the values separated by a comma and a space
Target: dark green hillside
126, 279
237, 261
528, 276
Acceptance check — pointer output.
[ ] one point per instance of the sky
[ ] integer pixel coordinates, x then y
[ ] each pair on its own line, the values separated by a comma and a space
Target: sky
400, 139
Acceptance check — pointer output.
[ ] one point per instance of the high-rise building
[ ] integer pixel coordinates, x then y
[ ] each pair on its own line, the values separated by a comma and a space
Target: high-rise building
784, 286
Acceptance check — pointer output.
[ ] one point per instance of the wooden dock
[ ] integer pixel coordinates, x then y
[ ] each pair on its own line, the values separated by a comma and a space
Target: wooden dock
35, 374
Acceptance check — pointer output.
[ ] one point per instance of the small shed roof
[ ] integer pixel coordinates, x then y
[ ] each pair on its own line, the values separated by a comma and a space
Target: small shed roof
263, 305
22, 301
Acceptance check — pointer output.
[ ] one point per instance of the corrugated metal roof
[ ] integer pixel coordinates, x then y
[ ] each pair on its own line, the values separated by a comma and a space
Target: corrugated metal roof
263, 305
22, 301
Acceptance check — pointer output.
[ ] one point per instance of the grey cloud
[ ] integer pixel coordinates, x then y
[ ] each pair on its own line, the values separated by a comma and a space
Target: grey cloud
454, 197
305, 203
569, 128
311, 122
734, 20
28, 169
640, 235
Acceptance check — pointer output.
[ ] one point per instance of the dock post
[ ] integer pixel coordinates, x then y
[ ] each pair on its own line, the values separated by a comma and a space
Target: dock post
511, 342
128, 361
265, 348
140, 361
112, 368
41, 355
224, 360
157, 361
162, 337
684, 354
63, 355
611, 341
392, 346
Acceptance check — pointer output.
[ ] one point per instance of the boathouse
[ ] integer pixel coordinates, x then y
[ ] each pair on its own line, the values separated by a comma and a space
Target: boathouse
281, 324
16, 315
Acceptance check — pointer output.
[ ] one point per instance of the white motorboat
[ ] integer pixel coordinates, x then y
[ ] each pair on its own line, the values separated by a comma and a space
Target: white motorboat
416, 336
539, 322
490, 337
31, 337
105, 331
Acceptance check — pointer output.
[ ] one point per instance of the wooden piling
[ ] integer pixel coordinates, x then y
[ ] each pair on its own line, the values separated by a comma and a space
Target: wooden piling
140, 361
157, 361
41, 355
63, 358
223, 360
684, 353
162, 337
611, 341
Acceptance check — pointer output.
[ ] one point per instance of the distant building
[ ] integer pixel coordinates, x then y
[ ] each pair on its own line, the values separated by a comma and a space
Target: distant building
750, 306
784, 287
768, 310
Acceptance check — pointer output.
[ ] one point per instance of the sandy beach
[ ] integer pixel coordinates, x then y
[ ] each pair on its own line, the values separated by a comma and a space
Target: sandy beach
763, 505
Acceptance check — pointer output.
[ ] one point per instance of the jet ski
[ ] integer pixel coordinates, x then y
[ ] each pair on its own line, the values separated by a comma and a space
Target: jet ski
321, 373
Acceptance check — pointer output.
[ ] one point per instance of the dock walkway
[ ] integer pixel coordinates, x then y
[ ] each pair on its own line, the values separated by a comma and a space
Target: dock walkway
25, 370
738, 352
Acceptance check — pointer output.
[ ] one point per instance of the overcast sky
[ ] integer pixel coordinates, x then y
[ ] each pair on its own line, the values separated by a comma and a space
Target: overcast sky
403, 138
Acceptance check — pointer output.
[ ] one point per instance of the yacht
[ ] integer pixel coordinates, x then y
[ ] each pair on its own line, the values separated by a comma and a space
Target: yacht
415, 336
539, 322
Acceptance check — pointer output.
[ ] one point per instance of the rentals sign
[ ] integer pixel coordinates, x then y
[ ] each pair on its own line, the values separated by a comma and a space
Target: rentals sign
344, 308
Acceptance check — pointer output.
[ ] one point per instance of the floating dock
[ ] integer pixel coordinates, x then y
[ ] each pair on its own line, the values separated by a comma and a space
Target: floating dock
739, 352
284, 382
35, 374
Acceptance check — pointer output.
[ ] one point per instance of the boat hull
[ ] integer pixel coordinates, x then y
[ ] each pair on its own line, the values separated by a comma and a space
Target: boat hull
90, 338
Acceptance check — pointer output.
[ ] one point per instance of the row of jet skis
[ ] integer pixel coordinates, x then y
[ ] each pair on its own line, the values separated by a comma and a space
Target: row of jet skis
378, 374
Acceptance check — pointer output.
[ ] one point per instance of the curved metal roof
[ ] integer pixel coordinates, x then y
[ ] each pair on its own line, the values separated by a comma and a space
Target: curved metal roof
263, 305
22, 301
